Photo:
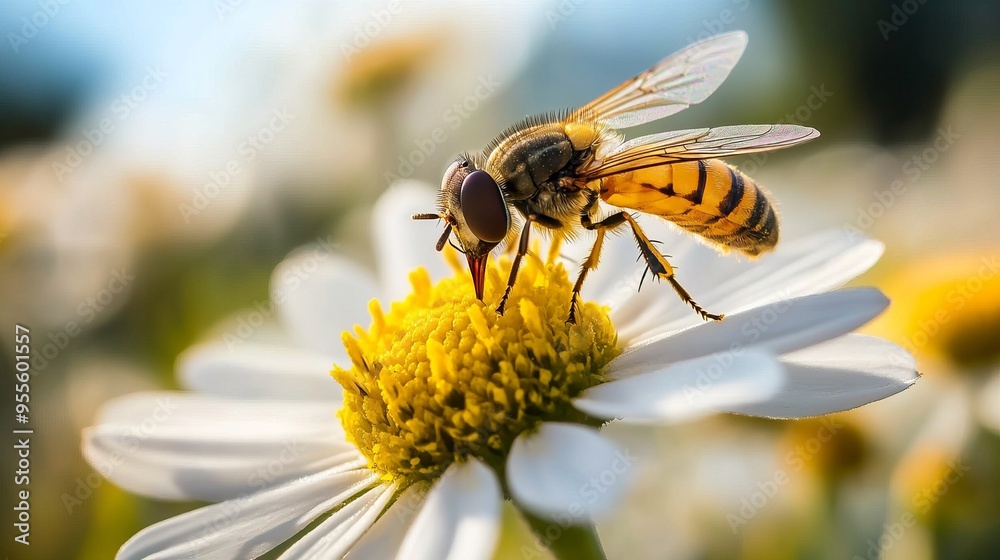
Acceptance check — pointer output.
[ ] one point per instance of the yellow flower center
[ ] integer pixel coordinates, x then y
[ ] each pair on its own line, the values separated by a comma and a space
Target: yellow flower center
441, 376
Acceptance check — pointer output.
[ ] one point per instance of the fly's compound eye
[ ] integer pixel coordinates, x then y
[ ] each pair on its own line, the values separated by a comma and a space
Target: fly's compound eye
484, 207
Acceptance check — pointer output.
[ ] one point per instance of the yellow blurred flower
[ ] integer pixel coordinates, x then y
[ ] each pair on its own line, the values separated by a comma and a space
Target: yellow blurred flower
947, 308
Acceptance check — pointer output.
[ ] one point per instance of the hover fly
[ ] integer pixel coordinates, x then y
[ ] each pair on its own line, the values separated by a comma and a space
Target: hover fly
553, 170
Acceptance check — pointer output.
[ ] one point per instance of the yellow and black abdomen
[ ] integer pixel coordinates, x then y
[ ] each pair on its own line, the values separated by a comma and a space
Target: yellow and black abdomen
706, 197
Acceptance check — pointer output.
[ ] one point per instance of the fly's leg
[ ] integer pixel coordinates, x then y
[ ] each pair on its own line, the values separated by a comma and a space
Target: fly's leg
661, 268
522, 249
594, 257
655, 260
554, 249
591, 262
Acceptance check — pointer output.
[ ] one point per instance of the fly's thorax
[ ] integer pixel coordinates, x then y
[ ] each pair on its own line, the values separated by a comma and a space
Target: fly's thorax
528, 160
535, 156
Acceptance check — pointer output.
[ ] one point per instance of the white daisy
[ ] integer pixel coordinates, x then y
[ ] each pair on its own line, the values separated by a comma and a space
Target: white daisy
447, 408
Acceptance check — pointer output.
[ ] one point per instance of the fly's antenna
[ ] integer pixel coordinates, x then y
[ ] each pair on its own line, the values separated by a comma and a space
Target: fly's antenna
447, 228
444, 237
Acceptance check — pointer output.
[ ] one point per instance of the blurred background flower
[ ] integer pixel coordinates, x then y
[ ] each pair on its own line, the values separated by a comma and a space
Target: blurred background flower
158, 161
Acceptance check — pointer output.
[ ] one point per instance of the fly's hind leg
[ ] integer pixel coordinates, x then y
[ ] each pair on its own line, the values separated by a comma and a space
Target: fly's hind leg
655, 260
661, 268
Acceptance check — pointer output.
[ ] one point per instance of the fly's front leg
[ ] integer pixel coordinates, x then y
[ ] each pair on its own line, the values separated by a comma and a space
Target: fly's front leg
522, 249
661, 268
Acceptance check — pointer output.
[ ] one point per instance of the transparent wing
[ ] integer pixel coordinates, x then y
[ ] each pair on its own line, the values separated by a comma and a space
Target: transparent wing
682, 79
699, 143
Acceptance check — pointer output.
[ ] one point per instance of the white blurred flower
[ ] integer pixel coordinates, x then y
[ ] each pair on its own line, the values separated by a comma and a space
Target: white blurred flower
267, 100
59, 246
198, 123
260, 436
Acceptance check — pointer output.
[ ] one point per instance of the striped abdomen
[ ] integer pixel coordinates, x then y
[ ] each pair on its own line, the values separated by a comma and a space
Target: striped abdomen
706, 197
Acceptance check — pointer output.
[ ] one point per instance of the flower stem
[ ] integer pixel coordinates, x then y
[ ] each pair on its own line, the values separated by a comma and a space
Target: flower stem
574, 542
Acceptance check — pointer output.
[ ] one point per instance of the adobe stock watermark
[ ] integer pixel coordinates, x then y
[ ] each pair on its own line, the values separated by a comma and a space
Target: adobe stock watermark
290, 281
913, 168
752, 330
378, 20
228, 513
225, 7
453, 117
956, 299
86, 312
795, 461
130, 442
921, 502
817, 98
31, 25
246, 152
224, 515
898, 17
721, 22
408, 504
562, 12
710, 374
266, 474
120, 109
575, 514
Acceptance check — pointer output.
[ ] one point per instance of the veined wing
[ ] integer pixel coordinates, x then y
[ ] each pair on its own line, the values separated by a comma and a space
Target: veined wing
682, 79
699, 143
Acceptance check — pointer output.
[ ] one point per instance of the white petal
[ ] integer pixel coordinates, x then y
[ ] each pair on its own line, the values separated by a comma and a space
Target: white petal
686, 390
781, 327
810, 265
184, 446
319, 295
334, 536
460, 519
250, 526
567, 472
838, 375
403, 244
258, 371
385, 537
